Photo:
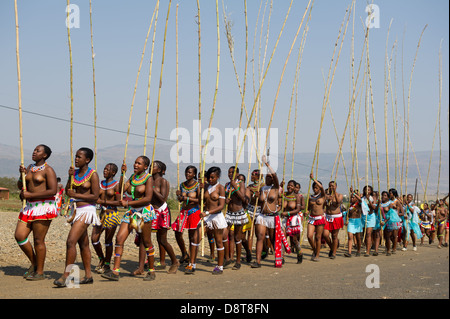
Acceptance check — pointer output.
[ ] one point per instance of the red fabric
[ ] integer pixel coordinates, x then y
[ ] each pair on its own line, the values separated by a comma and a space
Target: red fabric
28, 218
162, 218
280, 239
186, 220
337, 223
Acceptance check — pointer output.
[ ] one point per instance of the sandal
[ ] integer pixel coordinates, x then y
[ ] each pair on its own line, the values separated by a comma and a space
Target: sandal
86, 281
173, 268
217, 271
256, 265
61, 282
151, 275
35, 276
110, 275
347, 255
189, 270
136, 273
236, 266
29, 272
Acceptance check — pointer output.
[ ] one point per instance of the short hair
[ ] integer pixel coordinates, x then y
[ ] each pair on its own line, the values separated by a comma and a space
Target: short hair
293, 182
161, 166
215, 170
191, 167
394, 192
145, 159
235, 168
318, 182
114, 167
88, 153
47, 150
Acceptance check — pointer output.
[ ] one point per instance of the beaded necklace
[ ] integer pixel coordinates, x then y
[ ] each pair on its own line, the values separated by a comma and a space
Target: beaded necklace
229, 188
35, 168
314, 197
78, 181
105, 185
138, 181
189, 189
254, 187
290, 198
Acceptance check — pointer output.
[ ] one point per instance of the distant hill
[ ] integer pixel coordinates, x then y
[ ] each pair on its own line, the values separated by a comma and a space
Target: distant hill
60, 161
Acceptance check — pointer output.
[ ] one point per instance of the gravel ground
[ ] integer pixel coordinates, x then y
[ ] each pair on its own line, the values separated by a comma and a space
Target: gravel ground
423, 274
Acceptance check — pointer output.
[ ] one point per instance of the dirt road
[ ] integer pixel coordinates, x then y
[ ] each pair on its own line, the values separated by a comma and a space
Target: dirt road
405, 275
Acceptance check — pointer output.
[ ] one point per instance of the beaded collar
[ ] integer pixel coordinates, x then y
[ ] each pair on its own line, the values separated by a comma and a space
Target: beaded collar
35, 168
78, 181
189, 189
104, 185
229, 188
290, 198
140, 180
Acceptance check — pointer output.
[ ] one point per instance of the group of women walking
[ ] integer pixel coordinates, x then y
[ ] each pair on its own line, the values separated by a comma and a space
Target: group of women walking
227, 214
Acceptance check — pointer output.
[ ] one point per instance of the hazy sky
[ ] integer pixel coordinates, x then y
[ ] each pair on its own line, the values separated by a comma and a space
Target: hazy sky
120, 28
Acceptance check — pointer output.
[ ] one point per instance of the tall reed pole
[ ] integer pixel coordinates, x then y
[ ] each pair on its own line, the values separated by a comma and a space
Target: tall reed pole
176, 100
440, 104
149, 81
134, 93
93, 83
160, 86
386, 90
201, 169
205, 149
71, 92
409, 105
331, 73
19, 87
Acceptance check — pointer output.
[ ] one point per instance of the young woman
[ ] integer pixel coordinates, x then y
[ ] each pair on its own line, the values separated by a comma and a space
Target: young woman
412, 212
397, 206
253, 209
139, 217
189, 194
334, 219
108, 200
83, 187
162, 224
425, 222
265, 222
40, 210
316, 221
441, 221
214, 197
236, 216
368, 220
354, 224
390, 206
379, 223
292, 207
